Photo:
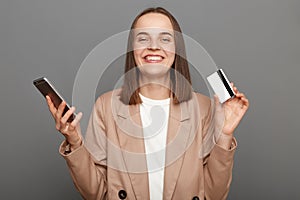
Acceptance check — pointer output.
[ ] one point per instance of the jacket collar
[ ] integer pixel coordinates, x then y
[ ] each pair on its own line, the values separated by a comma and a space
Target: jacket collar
177, 111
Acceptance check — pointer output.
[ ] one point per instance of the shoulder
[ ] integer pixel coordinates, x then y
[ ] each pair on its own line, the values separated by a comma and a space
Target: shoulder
201, 98
204, 102
108, 101
108, 96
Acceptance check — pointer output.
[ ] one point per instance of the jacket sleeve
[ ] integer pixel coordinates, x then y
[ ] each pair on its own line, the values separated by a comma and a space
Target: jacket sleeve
87, 163
218, 172
218, 164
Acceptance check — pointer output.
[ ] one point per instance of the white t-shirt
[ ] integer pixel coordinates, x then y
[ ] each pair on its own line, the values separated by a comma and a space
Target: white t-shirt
155, 117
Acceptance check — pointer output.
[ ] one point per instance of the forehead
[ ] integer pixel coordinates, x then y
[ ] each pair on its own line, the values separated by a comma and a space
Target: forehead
154, 20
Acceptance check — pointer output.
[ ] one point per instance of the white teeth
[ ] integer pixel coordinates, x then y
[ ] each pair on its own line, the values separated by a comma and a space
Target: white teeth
153, 58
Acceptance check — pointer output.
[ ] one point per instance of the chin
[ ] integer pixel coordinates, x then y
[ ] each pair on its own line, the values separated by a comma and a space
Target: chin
154, 70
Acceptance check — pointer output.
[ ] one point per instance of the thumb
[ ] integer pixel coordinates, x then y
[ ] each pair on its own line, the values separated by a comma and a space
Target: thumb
216, 100
218, 105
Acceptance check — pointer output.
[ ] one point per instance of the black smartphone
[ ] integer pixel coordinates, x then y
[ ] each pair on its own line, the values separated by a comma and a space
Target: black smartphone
46, 88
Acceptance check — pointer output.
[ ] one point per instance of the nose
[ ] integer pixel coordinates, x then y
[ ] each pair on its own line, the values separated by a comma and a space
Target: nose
154, 45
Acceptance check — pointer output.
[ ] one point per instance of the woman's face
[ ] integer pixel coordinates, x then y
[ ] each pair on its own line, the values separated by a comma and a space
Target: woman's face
154, 44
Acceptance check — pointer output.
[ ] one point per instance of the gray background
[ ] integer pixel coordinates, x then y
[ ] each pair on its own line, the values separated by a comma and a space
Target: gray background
256, 42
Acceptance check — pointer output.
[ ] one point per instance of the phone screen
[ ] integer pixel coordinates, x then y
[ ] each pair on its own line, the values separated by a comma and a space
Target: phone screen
46, 88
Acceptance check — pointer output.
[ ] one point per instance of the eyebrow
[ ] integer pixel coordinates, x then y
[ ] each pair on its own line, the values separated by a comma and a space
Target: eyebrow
142, 33
162, 33
166, 33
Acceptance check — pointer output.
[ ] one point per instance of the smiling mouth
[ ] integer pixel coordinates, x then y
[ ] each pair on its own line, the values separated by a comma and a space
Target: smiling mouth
153, 58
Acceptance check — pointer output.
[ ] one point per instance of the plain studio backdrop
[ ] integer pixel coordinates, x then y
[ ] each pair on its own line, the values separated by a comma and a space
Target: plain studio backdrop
256, 42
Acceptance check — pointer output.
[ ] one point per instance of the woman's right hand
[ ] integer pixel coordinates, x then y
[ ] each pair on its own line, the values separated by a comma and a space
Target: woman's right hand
71, 130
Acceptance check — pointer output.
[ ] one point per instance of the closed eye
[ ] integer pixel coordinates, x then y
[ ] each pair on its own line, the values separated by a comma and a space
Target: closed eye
142, 39
166, 39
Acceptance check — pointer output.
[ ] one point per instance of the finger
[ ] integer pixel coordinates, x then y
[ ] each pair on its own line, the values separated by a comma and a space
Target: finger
67, 115
216, 100
237, 95
60, 110
75, 122
240, 95
51, 106
64, 128
245, 101
58, 115
235, 90
238, 101
234, 100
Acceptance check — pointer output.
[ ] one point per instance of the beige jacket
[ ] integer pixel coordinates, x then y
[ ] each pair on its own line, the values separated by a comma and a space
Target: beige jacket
111, 163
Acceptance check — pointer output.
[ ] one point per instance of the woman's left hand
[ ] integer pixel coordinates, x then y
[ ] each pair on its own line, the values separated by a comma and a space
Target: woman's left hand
234, 109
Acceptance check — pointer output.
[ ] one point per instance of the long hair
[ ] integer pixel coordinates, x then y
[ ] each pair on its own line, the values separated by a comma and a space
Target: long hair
181, 89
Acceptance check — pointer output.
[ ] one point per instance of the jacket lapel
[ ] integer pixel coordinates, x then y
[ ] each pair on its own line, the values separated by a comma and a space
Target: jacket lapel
177, 142
130, 136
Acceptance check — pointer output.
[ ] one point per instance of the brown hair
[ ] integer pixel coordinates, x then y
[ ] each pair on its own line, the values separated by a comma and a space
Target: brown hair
180, 83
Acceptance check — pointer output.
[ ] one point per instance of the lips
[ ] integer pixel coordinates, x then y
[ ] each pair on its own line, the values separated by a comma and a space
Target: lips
153, 58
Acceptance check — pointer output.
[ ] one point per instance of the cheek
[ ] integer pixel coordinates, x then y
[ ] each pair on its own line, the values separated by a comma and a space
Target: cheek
169, 49
171, 57
137, 56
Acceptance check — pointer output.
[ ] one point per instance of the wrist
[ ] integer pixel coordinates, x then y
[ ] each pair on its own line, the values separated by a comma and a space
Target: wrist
225, 141
227, 132
74, 144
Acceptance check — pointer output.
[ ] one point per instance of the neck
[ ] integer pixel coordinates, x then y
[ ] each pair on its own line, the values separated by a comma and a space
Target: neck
155, 89
156, 92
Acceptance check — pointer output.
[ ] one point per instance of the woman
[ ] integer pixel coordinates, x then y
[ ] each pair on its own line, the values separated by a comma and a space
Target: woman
143, 141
